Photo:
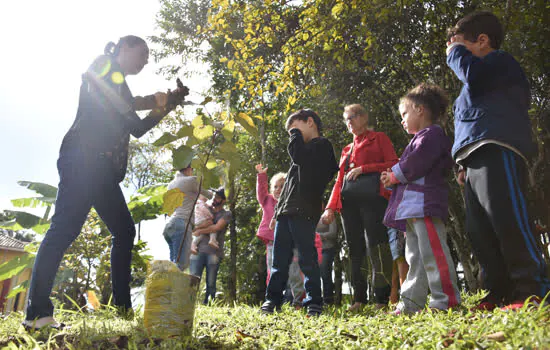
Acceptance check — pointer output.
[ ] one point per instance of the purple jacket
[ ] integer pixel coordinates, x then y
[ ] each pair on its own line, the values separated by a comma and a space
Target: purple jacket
421, 171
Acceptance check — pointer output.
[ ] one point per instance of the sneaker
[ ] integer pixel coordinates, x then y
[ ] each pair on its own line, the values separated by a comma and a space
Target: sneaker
268, 307
518, 304
297, 305
355, 307
214, 244
314, 310
484, 306
47, 322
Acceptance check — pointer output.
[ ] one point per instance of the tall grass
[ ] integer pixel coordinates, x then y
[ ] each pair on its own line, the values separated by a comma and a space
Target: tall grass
241, 326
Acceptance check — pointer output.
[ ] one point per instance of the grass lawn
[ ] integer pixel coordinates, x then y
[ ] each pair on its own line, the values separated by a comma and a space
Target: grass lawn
242, 326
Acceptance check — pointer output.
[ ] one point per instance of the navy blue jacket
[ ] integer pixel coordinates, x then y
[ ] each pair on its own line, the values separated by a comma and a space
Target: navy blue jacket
494, 101
105, 118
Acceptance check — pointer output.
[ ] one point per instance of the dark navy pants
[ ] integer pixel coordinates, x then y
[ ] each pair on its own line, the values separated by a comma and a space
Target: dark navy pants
499, 227
295, 231
83, 185
367, 238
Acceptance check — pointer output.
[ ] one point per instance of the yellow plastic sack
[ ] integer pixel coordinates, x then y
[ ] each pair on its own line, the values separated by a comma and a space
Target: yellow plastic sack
170, 298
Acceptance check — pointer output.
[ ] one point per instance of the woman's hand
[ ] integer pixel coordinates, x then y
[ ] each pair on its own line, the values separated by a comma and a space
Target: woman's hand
354, 173
328, 217
161, 99
260, 170
272, 224
461, 177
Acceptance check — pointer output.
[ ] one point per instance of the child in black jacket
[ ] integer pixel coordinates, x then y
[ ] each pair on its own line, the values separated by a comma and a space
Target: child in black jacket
299, 209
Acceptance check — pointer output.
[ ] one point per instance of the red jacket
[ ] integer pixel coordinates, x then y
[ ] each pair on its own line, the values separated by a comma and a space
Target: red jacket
373, 152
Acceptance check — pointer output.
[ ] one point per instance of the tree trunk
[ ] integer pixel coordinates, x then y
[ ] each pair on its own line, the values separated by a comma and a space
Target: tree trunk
75, 290
232, 283
105, 288
262, 138
463, 247
539, 207
507, 15
262, 273
89, 275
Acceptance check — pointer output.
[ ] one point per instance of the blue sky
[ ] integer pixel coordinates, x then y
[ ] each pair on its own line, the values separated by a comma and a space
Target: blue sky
46, 45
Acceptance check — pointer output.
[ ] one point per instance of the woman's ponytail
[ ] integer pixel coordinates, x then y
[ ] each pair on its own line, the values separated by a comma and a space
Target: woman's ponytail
112, 49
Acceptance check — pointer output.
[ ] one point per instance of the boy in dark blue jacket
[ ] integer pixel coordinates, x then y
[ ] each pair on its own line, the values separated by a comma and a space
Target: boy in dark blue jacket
299, 209
492, 145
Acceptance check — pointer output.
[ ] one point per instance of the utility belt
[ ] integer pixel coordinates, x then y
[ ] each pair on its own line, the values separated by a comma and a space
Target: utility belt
116, 169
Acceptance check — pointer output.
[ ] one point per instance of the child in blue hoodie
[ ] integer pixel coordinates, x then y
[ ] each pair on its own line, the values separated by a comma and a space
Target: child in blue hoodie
492, 144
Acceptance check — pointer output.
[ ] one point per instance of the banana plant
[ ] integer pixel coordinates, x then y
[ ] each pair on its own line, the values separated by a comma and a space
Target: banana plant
25, 220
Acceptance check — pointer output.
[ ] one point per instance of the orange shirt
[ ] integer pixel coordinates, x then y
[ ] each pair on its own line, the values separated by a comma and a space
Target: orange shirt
373, 152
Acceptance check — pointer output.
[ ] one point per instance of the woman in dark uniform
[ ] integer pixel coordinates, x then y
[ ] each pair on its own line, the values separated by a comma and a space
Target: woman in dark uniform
92, 162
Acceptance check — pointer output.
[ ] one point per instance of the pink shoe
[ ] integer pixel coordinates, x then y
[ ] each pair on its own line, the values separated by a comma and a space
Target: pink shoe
214, 244
395, 312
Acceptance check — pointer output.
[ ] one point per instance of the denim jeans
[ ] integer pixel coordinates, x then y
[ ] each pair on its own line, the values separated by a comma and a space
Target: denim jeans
326, 274
290, 232
211, 262
397, 243
174, 232
83, 185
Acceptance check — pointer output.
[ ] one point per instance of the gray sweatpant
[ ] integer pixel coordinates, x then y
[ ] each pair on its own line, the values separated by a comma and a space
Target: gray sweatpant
431, 267
296, 280
295, 277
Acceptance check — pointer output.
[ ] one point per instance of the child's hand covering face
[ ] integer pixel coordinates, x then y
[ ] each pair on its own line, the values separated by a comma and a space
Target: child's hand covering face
457, 38
304, 127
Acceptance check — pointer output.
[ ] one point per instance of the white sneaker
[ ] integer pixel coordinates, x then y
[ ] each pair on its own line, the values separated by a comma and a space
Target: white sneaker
48, 321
